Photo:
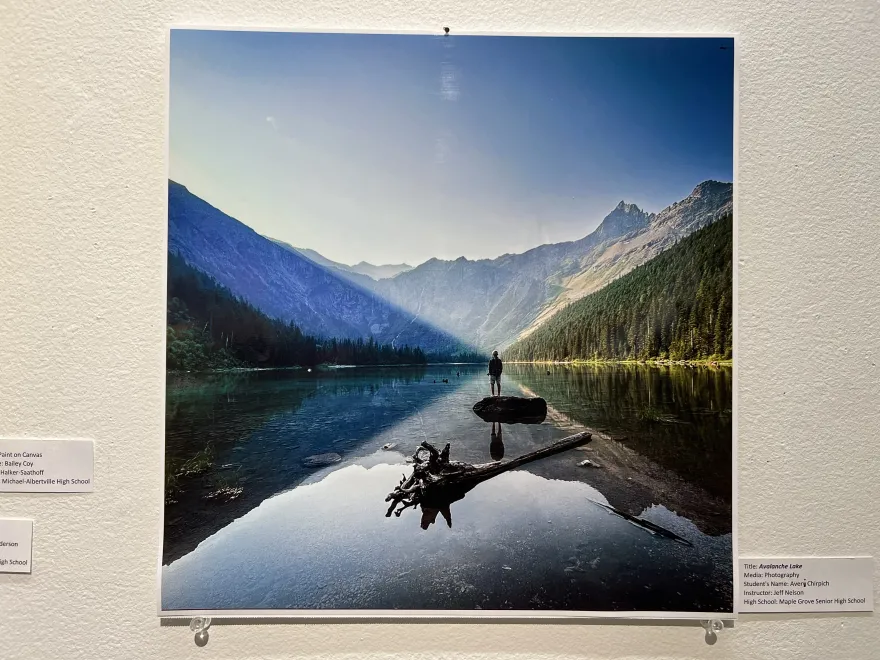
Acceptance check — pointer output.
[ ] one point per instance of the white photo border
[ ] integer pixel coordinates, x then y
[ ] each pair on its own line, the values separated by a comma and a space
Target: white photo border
462, 616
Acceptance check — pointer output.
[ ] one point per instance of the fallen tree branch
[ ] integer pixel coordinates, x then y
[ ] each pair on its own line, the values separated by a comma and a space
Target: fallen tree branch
436, 481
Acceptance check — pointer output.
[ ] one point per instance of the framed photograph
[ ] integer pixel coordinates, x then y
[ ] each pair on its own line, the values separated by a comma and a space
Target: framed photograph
450, 325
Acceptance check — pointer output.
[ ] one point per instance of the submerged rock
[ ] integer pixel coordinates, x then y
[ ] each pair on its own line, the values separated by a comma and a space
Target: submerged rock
511, 409
320, 460
225, 494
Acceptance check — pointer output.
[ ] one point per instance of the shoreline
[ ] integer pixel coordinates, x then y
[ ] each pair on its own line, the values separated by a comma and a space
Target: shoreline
573, 363
651, 363
317, 367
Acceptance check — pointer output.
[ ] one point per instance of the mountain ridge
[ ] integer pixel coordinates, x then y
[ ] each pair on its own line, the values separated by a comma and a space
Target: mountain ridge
485, 303
284, 284
364, 268
677, 306
493, 302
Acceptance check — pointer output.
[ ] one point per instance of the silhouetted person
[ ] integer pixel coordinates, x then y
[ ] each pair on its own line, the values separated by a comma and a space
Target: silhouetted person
496, 444
495, 368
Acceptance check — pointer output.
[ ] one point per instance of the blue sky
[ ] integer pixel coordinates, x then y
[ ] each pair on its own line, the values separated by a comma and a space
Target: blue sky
393, 148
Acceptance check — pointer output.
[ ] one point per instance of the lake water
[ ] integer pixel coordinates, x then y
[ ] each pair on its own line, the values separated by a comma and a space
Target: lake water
252, 523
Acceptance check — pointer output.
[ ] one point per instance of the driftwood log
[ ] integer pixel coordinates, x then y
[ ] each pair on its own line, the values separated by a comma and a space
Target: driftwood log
436, 481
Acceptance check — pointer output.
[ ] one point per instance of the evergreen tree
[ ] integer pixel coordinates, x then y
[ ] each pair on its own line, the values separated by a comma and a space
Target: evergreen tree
210, 328
676, 306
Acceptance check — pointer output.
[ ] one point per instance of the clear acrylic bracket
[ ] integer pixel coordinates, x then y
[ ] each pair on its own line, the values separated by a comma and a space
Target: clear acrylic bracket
199, 625
712, 628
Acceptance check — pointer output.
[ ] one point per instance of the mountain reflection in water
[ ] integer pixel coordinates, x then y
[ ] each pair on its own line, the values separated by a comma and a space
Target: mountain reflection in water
534, 538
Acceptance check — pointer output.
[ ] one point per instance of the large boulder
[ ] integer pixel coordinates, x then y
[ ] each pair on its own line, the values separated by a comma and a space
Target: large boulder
511, 409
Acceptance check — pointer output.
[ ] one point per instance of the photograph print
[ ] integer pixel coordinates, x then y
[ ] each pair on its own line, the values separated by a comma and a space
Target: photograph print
450, 325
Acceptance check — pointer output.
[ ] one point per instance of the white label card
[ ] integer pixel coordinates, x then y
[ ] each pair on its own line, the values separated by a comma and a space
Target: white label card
16, 543
807, 584
46, 466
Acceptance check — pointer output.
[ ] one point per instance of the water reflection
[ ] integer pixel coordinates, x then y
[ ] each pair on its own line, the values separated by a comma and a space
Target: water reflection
429, 516
299, 536
232, 440
678, 416
496, 443
521, 542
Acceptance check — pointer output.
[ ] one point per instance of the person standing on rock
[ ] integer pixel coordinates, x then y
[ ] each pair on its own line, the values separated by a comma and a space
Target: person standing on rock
495, 368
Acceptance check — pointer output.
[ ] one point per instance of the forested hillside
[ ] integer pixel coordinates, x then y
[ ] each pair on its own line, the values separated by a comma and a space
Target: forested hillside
209, 328
677, 306
451, 307
491, 302
283, 284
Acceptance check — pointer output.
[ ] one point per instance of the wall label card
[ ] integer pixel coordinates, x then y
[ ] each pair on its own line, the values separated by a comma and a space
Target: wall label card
16, 543
807, 584
46, 466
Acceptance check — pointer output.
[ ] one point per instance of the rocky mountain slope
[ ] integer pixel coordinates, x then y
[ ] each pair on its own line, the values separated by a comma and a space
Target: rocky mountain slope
491, 303
379, 272
283, 283
677, 306
439, 305
356, 272
708, 202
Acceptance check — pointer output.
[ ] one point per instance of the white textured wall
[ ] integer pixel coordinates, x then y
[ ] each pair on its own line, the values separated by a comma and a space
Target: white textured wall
82, 187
